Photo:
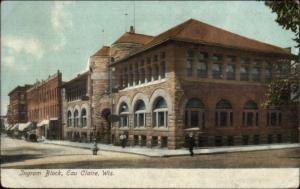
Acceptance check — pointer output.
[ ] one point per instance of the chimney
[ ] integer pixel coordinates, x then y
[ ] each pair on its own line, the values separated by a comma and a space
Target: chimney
131, 30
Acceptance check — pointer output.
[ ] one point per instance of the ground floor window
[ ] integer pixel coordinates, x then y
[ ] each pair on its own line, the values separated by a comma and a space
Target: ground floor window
274, 118
256, 139
218, 141
270, 139
279, 138
164, 141
143, 140
154, 141
230, 140
245, 139
135, 140
224, 119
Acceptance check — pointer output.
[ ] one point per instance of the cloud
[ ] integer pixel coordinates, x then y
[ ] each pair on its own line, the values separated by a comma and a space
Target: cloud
61, 20
13, 47
28, 45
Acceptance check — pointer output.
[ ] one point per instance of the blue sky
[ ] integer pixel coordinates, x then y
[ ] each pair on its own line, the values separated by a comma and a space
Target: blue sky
38, 38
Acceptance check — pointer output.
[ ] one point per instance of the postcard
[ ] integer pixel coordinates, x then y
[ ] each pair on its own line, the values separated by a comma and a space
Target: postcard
150, 94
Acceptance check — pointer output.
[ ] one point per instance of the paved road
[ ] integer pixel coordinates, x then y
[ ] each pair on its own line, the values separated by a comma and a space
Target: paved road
21, 154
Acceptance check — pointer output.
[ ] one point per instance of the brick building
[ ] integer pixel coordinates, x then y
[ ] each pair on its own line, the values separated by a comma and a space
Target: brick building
17, 108
44, 106
196, 78
76, 109
101, 101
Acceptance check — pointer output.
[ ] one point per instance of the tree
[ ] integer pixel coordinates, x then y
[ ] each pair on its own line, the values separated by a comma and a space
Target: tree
287, 81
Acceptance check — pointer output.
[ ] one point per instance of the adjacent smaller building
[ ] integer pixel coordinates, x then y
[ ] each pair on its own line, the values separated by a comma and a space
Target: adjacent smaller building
76, 109
44, 106
17, 108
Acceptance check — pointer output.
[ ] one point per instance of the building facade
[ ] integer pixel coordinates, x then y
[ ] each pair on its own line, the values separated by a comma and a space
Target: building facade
76, 109
102, 79
196, 78
44, 106
17, 108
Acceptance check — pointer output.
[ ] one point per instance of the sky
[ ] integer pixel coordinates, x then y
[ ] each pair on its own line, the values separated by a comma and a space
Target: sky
40, 37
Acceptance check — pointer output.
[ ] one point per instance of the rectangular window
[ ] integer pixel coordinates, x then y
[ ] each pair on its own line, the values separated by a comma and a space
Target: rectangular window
194, 118
189, 68
256, 139
256, 73
245, 139
279, 138
161, 119
249, 118
217, 71
230, 140
230, 71
273, 119
202, 70
223, 119
244, 72
163, 70
218, 140
270, 139
141, 120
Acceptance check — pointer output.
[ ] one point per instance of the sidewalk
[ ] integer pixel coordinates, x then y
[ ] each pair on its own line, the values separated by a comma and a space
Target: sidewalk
159, 152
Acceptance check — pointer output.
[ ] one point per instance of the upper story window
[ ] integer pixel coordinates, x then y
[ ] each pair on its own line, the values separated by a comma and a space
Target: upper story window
83, 118
274, 116
163, 69
155, 58
268, 72
189, 63
217, 71
194, 113
256, 72
244, 70
160, 113
250, 114
155, 72
224, 114
202, 65
189, 68
216, 58
139, 114
123, 112
230, 71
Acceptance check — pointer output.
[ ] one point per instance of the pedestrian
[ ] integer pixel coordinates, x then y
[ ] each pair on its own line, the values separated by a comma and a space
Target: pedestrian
123, 138
191, 143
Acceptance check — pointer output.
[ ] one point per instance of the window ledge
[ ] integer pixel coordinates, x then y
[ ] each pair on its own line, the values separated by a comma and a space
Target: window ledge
145, 84
160, 128
139, 128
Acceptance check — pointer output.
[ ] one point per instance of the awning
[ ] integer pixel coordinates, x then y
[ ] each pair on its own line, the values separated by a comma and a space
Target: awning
13, 127
42, 123
53, 118
7, 127
23, 126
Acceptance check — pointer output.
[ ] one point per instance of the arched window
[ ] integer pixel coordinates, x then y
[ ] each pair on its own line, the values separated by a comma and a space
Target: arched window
194, 113
160, 113
224, 115
139, 114
83, 118
274, 116
123, 112
250, 114
69, 115
76, 118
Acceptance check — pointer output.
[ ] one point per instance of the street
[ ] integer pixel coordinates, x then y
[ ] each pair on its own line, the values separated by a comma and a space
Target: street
21, 154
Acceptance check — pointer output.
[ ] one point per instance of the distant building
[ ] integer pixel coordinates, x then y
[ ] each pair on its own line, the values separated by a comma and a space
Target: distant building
44, 106
17, 108
76, 109
196, 78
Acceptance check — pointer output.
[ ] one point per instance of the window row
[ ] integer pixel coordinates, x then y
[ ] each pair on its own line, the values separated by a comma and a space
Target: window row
77, 119
195, 114
254, 71
75, 93
46, 112
159, 114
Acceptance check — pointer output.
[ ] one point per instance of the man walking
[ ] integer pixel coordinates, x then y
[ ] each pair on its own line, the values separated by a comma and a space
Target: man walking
191, 143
